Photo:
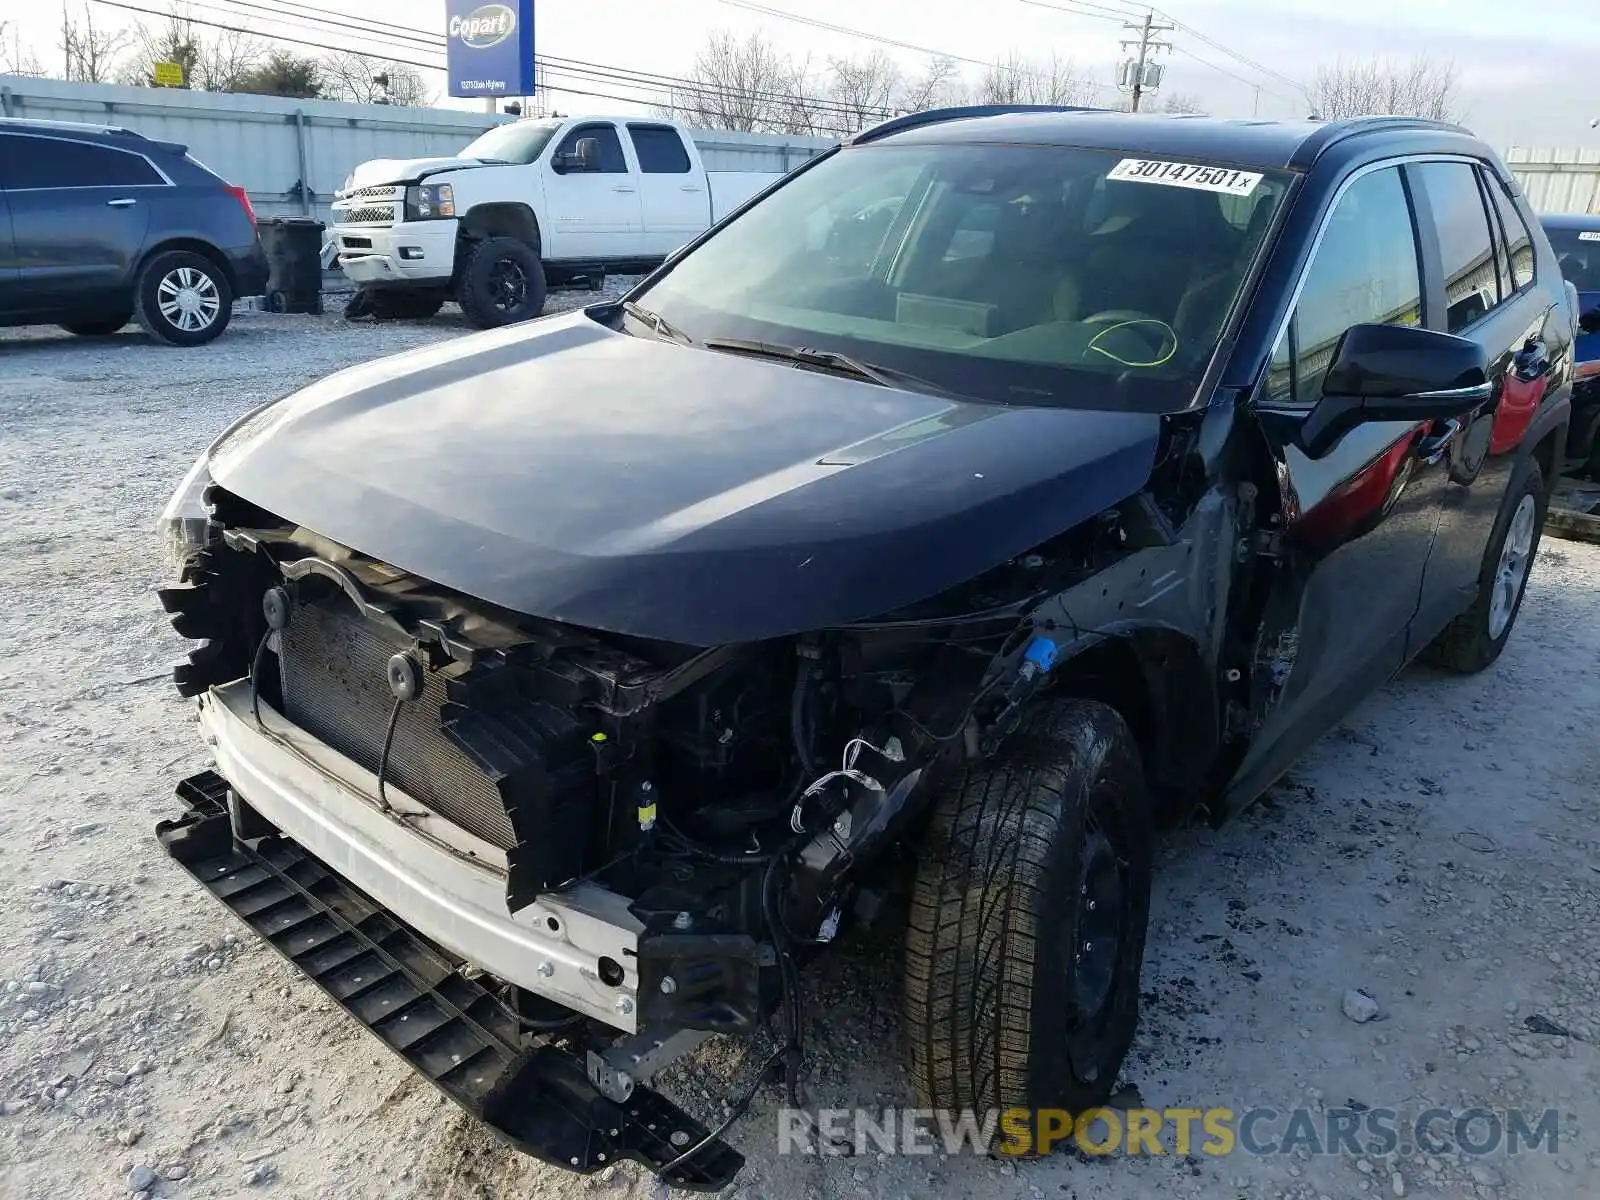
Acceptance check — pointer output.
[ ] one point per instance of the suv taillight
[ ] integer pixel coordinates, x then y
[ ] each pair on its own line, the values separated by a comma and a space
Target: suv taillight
243, 197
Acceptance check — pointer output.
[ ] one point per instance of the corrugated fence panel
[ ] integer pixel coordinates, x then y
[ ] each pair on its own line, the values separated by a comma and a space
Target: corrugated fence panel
1557, 180
292, 155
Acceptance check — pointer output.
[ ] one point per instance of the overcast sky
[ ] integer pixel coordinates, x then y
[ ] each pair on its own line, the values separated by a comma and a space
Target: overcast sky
1528, 71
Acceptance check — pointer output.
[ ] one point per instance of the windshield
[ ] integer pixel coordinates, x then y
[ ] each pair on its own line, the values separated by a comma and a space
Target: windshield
518, 142
1021, 274
1578, 252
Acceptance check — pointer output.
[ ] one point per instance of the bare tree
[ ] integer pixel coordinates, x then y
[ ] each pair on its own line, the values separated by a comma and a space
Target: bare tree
938, 86
211, 62
14, 60
1015, 79
362, 79
90, 54
1419, 87
862, 91
1184, 104
735, 83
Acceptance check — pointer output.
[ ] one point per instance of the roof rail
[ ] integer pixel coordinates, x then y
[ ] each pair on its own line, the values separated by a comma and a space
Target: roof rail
1335, 132
935, 116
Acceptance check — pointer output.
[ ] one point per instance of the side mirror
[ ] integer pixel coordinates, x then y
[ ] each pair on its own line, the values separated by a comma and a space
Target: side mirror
584, 156
1589, 322
1395, 373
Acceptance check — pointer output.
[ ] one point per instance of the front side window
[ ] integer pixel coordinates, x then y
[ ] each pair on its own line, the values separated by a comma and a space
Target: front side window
1466, 254
659, 150
1365, 272
1020, 274
41, 162
611, 160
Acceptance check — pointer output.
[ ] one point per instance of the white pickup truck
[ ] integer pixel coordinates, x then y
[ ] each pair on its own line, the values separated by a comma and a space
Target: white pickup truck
525, 205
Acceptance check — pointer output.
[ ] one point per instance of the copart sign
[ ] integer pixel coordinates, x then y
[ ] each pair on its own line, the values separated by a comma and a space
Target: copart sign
490, 47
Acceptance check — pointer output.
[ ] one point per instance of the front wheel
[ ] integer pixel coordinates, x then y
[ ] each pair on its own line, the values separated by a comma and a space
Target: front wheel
1028, 918
1475, 638
183, 298
502, 282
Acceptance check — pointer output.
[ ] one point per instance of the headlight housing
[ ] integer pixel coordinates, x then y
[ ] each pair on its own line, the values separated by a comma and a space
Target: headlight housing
430, 201
184, 527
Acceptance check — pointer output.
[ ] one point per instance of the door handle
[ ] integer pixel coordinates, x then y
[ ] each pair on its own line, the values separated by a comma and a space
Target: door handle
689, 187
122, 202
1431, 448
622, 188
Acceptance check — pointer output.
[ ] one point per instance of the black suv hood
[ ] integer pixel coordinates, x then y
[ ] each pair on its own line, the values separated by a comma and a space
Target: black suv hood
564, 470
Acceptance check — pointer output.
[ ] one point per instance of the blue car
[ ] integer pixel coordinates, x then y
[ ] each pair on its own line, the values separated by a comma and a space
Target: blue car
1576, 240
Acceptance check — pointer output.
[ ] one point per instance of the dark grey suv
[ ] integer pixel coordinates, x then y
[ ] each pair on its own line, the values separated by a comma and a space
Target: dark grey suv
100, 226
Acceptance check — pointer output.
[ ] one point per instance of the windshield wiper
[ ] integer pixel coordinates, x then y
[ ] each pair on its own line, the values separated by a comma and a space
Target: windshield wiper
831, 360
657, 322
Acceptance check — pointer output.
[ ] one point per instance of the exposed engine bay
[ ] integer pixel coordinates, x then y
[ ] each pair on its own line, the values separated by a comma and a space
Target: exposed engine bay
734, 796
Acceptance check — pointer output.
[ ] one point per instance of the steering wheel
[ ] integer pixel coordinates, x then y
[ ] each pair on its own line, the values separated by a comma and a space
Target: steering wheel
1112, 316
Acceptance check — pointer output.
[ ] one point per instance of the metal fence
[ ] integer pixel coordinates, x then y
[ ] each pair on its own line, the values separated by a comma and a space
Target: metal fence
1558, 180
291, 155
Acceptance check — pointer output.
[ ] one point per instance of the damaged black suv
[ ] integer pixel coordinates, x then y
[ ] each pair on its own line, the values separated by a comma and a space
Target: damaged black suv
1000, 486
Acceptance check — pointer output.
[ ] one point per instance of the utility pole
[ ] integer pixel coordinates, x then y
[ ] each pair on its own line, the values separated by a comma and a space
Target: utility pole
1146, 42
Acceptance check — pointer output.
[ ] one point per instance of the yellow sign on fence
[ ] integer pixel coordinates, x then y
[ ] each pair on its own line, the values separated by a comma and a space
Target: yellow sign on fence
169, 74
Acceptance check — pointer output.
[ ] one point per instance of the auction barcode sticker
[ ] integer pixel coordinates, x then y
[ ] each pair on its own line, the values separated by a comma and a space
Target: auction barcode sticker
1186, 175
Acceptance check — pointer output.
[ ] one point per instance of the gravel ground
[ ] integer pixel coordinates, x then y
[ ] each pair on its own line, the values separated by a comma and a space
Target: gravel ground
1438, 850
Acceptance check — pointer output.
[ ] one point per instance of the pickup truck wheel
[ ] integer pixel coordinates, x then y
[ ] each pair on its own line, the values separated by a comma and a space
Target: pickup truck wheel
1475, 638
182, 298
1028, 917
502, 282
98, 326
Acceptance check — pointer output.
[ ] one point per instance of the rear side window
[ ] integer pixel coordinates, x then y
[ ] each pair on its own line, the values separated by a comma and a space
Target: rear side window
1365, 272
660, 150
611, 160
40, 162
1519, 240
1471, 286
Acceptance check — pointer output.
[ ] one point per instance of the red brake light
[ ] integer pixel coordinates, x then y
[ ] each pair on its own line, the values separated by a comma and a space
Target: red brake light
243, 197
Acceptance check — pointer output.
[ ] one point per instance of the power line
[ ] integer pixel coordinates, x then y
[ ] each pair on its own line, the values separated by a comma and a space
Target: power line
1091, 8
1082, 8
1231, 74
1076, 12
579, 68
279, 37
814, 23
829, 26
1234, 54
660, 88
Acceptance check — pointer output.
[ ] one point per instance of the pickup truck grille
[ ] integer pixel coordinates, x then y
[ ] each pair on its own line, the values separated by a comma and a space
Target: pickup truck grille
334, 687
385, 190
372, 214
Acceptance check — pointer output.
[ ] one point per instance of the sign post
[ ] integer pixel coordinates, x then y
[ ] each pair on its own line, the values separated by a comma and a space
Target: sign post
489, 48
167, 74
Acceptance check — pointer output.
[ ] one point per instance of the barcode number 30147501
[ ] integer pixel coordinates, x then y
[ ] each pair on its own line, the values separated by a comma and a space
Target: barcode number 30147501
1186, 175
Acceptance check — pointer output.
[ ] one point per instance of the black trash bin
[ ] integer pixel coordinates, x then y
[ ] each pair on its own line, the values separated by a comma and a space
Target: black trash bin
294, 261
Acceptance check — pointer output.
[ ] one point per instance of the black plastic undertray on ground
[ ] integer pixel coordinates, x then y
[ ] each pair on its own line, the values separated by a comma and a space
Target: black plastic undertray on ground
411, 994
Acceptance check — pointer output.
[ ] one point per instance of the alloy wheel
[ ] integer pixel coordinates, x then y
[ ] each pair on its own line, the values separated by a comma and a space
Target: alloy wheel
188, 298
1511, 573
